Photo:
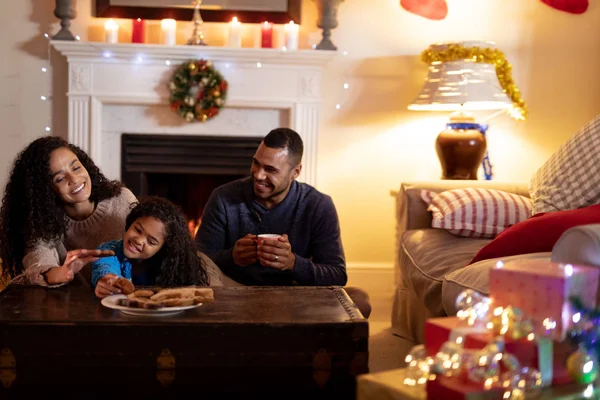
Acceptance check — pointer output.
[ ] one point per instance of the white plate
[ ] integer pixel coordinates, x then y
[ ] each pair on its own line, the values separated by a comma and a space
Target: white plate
111, 302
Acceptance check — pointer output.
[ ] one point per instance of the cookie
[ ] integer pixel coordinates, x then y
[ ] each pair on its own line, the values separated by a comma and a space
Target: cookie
178, 302
139, 303
143, 293
125, 285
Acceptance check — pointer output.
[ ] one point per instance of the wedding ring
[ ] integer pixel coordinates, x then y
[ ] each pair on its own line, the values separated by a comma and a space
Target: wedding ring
276, 258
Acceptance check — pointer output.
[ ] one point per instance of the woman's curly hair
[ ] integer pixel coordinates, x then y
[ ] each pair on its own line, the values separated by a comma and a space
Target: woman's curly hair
177, 262
31, 211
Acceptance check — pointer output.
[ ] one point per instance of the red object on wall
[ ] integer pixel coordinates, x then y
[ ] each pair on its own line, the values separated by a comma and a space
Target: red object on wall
137, 31
570, 6
430, 9
266, 35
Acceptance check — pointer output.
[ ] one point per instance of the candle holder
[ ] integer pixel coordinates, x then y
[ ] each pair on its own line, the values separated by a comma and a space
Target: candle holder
327, 21
197, 38
65, 11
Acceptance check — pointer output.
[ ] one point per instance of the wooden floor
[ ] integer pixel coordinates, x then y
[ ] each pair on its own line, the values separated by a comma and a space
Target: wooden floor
386, 351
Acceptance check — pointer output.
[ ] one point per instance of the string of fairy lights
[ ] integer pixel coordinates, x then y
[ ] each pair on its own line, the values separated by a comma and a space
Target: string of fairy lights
46, 68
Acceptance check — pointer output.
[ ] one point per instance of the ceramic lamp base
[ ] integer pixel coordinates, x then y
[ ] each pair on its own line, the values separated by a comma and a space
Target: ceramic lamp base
461, 152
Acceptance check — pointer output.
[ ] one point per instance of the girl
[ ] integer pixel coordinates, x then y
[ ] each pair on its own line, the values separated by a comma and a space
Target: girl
56, 205
157, 249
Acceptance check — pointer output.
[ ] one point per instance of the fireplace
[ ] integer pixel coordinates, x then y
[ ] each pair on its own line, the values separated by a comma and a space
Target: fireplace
116, 88
184, 169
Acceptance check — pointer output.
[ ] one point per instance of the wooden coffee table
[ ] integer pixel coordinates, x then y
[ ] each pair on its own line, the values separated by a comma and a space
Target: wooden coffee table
290, 341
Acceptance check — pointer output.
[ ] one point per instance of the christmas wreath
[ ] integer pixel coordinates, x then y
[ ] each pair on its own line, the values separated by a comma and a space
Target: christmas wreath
198, 90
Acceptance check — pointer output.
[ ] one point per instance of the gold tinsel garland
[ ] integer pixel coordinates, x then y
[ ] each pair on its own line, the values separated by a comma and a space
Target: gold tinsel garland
458, 52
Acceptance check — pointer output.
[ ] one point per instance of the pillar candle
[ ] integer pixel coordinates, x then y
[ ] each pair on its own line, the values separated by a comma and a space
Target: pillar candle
235, 33
168, 27
291, 36
111, 32
267, 35
137, 31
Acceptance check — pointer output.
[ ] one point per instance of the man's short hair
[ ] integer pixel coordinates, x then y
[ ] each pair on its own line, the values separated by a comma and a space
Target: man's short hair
285, 138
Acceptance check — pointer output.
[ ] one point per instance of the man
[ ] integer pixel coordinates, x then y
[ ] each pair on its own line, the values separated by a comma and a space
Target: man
308, 253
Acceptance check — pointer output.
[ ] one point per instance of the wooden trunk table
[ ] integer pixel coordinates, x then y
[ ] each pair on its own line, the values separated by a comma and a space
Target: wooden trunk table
288, 342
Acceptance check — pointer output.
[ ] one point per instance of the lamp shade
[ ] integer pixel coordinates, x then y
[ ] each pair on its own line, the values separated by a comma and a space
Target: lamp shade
461, 85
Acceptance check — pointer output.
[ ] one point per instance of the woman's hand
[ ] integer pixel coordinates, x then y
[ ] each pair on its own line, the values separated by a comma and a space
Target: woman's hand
106, 286
74, 262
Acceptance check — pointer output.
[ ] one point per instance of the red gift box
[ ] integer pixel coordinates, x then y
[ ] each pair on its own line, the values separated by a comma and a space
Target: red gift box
440, 330
528, 352
456, 388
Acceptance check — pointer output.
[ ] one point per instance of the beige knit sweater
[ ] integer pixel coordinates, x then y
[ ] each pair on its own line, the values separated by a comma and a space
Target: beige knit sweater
106, 223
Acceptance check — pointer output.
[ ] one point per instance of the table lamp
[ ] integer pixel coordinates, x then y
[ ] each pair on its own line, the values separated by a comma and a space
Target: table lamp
466, 76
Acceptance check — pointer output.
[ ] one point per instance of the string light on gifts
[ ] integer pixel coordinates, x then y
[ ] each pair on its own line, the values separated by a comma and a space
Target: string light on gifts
492, 366
585, 335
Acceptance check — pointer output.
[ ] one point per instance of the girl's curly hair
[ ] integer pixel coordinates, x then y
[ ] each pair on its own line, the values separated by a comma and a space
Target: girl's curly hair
177, 262
31, 210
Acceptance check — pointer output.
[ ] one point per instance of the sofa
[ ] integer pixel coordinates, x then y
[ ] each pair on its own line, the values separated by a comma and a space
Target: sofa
430, 263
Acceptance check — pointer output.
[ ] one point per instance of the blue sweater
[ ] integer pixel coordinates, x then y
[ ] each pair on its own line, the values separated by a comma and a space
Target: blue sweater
118, 265
306, 215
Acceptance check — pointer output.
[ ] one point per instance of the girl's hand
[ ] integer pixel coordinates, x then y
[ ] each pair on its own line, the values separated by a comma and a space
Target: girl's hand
105, 286
74, 262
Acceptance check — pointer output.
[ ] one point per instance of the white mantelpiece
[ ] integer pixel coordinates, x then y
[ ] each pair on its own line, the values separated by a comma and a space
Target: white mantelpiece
122, 88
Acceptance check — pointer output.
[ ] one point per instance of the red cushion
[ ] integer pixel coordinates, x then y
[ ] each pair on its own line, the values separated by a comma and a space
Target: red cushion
538, 233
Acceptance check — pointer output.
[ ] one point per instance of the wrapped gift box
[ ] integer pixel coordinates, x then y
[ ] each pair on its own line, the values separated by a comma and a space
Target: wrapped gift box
544, 355
460, 389
440, 330
541, 289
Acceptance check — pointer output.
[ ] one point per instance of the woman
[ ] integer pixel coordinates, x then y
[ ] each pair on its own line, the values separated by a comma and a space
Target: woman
57, 208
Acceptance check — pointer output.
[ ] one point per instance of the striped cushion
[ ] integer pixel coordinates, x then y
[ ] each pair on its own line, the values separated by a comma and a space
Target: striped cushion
480, 213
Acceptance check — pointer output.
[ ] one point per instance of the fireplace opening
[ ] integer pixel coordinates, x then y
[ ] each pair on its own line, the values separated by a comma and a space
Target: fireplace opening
184, 169
188, 191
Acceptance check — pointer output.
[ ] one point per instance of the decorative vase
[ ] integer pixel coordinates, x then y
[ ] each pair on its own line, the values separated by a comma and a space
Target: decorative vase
460, 148
65, 11
327, 21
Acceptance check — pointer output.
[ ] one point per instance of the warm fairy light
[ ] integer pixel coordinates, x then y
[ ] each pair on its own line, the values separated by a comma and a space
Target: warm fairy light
488, 383
531, 337
568, 270
499, 264
576, 317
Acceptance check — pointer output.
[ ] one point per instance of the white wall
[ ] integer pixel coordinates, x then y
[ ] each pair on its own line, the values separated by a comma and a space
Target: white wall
373, 142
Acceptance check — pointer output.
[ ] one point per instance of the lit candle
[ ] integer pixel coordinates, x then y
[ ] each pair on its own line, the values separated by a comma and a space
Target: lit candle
168, 27
137, 31
235, 33
291, 36
111, 32
267, 35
